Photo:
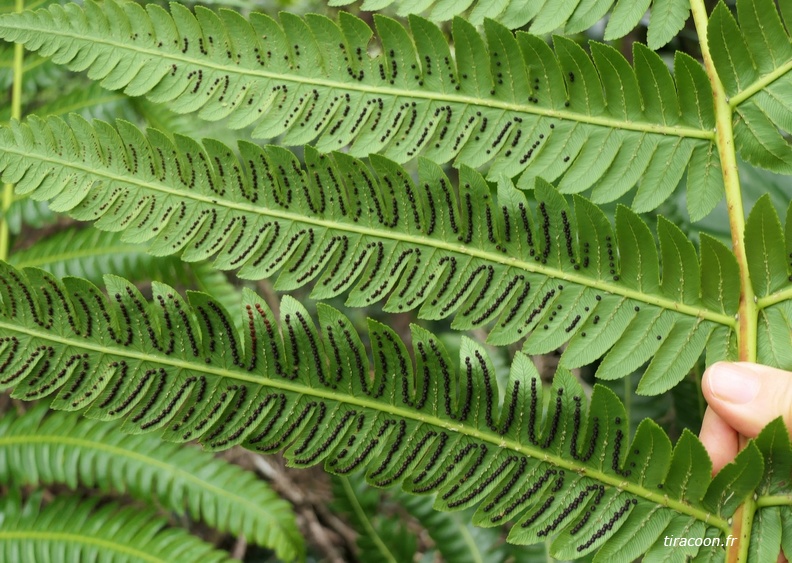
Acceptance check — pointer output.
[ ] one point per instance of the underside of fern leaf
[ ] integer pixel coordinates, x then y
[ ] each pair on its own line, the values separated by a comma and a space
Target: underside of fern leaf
754, 60
545, 270
767, 538
90, 253
769, 246
502, 100
179, 367
573, 16
526, 123
65, 448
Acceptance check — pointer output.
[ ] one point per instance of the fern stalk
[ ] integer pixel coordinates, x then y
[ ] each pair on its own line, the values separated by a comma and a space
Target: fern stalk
774, 500
746, 337
16, 113
772, 299
364, 520
759, 85
748, 311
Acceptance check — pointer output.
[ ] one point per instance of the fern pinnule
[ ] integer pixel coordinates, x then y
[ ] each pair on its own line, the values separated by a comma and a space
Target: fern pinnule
769, 246
767, 540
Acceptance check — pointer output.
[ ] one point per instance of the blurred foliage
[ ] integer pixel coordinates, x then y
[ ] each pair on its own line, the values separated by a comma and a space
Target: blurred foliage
391, 526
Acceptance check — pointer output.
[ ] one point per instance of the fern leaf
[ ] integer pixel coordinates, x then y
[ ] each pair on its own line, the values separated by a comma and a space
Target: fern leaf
667, 19
88, 100
573, 16
181, 369
181, 479
70, 529
770, 266
25, 211
553, 274
413, 98
754, 59
771, 527
90, 254
39, 74
92, 101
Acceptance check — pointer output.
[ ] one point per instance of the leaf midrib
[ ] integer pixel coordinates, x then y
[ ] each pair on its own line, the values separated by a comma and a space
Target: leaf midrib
393, 410
774, 298
662, 302
677, 131
67, 256
42, 438
760, 84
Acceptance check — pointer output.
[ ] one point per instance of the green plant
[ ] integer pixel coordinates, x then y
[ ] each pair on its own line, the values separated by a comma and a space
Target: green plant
44, 449
388, 523
70, 530
38, 449
508, 244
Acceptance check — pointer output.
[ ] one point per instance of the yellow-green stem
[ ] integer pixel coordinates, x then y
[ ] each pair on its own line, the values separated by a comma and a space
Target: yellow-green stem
774, 500
16, 113
724, 138
365, 521
746, 336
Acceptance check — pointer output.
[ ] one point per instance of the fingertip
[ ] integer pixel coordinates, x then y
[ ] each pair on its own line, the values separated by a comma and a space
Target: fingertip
720, 440
748, 396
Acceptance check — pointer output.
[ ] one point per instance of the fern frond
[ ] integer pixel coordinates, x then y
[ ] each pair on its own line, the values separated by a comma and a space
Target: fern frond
7, 6
26, 211
157, 116
94, 101
754, 60
89, 253
70, 529
770, 533
33, 448
489, 259
501, 99
769, 247
40, 73
89, 100
181, 369
667, 17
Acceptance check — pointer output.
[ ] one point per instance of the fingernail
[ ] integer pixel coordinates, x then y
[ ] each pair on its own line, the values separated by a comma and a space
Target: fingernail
733, 383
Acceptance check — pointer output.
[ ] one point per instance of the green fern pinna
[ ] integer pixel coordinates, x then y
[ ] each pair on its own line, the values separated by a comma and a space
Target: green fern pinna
475, 172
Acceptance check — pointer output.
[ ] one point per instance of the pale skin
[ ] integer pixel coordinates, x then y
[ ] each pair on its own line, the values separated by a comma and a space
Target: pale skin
743, 398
